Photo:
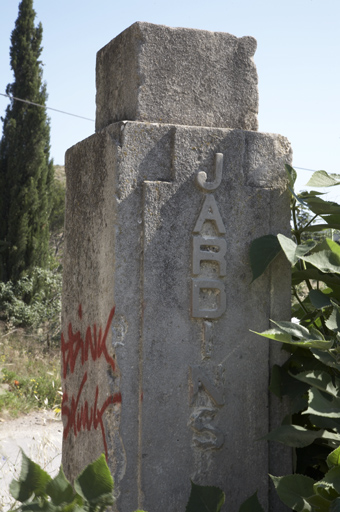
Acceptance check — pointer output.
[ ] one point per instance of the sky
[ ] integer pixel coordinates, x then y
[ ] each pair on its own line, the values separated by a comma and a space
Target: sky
297, 60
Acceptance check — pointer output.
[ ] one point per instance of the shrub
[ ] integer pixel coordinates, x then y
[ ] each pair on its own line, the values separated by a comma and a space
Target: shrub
311, 375
34, 301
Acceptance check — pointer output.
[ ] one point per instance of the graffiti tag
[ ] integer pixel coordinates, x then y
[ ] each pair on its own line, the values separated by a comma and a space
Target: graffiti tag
86, 417
93, 345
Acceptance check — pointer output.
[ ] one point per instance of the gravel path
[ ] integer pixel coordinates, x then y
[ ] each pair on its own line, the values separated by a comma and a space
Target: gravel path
39, 434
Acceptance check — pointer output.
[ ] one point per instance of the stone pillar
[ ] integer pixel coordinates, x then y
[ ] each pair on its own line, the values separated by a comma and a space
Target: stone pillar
160, 370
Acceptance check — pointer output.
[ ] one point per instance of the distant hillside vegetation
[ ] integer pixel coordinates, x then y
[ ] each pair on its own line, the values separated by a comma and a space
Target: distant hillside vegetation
59, 174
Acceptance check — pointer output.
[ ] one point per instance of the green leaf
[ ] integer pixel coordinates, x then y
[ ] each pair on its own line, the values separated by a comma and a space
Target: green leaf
291, 175
282, 383
305, 338
333, 458
332, 218
283, 337
323, 179
95, 481
320, 227
297, 436
311, 193
252, 504
298, 197
326, 490
205, 499
333, 322
319, 299
77, 505
33, 480
60, 489
101, 503
293, 489
293, 251
262, 252
322, 405
289, 248
321, 207
320, 380
274, 334
293, 329
328, 358
318, 503
335, 506
332, 477
325, 256
313, 273
325, 423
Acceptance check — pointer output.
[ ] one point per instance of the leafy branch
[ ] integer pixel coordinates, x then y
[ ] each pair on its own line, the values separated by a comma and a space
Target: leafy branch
92, 491
310, 377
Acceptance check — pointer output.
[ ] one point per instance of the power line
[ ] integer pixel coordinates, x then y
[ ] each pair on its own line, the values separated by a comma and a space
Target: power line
88, 119
304, 169
44, 106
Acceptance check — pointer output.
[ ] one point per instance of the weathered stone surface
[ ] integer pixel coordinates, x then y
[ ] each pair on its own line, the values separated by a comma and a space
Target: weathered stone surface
160, 370
154, 73
179, 395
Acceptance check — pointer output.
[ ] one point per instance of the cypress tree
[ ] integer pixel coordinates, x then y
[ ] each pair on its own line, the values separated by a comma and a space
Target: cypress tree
26, 171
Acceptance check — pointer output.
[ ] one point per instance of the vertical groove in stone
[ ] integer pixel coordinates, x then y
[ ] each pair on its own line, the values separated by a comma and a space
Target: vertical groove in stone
140, 369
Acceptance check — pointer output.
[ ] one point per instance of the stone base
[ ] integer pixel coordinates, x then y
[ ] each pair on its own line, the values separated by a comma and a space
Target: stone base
177, 386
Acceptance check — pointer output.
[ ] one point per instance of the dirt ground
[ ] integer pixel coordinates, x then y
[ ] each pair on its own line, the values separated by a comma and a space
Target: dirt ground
39, 434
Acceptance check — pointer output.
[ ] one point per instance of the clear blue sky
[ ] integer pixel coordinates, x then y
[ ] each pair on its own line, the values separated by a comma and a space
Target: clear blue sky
298, 62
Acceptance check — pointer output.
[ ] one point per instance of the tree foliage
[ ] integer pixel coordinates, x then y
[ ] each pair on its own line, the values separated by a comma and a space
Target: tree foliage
310, 377
26, 171
92, 491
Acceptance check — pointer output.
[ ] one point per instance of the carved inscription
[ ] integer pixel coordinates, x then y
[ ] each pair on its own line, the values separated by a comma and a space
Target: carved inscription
202, 177
207, 338
209, 249
206, 435
206, 399
200, 381
208, 302
204, 290
208, 253
209, 211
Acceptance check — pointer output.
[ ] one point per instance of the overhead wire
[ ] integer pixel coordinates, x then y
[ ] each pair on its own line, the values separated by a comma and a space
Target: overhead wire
44, 106
88, 119
304, 169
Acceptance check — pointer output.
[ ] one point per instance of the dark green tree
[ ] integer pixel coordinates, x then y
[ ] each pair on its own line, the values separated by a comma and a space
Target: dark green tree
26, 171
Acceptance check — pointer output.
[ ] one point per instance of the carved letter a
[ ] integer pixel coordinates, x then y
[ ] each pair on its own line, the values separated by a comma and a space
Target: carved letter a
209, 211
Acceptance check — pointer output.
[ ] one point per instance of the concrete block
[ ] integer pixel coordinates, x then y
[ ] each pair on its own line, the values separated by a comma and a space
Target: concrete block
160, 369
153, 73
171, 384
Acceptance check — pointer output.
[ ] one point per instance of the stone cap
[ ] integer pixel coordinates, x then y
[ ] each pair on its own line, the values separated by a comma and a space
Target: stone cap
153, 73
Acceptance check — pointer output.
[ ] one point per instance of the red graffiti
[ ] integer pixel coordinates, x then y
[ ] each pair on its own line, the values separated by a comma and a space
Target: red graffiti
86, 417
95, 344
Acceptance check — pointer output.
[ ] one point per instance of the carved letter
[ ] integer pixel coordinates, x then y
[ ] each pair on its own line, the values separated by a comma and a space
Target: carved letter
208, 254
202, 176
200, 422
208, 284
200, 381
209, 211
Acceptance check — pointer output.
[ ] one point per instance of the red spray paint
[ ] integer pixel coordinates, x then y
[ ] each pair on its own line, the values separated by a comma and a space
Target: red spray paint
85, 417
